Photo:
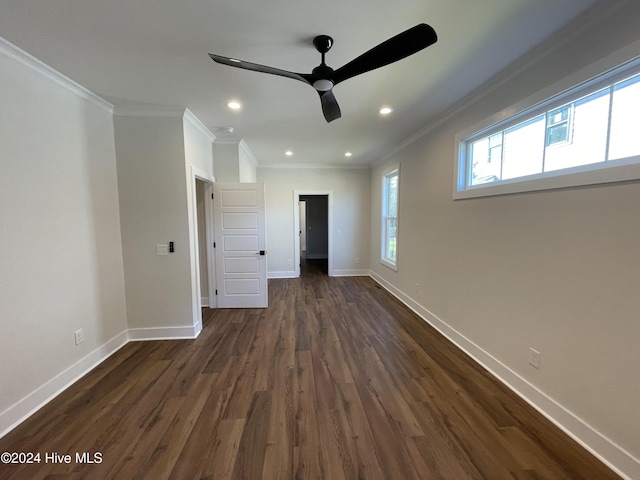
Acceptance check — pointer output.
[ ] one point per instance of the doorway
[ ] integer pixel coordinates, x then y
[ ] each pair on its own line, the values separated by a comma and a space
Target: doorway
201, 240
204, 260
313, 227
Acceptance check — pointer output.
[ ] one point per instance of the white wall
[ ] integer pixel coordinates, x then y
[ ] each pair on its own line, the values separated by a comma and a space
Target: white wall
154, 209
225, 161
351, 197
198, 145
246, 164
234, 161
60, 251
554, 270
159, 153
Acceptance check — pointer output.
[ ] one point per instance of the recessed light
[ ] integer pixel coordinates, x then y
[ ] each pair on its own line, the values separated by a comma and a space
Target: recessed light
233, 105
288, 153
348, 154
385, 110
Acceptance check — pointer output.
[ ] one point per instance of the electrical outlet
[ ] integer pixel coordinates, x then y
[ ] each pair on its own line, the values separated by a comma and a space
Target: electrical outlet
357, 260
534, 358
79, 335
416, 288
290, 262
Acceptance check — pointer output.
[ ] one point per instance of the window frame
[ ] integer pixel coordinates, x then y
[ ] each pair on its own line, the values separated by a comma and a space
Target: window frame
386, 178
566, 91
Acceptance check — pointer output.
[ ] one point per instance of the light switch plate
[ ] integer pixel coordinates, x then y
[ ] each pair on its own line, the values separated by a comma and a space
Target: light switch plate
162, 249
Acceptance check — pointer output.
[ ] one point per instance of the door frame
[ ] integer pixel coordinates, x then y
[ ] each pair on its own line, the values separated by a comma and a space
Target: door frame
296, 227
196, 294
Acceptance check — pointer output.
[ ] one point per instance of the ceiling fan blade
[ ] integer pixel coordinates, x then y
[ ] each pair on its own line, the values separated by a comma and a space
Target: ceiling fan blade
396, 48
232, 62
330, 107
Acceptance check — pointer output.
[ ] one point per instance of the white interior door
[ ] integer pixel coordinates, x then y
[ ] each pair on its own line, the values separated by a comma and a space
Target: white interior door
241, 246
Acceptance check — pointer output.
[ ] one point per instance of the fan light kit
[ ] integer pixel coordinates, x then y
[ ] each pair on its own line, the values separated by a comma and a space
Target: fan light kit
323, 78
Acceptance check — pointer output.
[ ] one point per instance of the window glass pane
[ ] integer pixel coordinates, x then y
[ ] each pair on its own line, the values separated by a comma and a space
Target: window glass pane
486, 159
393, 196
587, 140
523, 148
391, 238
625, 120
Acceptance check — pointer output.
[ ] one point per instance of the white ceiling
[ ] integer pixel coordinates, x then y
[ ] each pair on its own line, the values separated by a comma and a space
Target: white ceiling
155, 52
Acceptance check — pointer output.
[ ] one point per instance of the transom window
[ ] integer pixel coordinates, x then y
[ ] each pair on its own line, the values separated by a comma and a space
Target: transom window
390, 187
590, 127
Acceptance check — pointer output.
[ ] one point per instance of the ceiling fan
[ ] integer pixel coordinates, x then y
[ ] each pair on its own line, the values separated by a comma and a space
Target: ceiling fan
323, 78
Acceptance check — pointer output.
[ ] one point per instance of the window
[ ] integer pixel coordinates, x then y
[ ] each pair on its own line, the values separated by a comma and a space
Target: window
559, 125
390, 187
578, 134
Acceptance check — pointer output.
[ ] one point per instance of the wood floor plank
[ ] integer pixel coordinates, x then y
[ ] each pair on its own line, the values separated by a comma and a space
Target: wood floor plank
307, 459
335, 380
253, 443
357, 426
219, 464
168, 449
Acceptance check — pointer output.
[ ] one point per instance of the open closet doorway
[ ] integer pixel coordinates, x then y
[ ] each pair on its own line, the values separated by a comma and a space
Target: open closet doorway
200, 248
313, 220
205, 261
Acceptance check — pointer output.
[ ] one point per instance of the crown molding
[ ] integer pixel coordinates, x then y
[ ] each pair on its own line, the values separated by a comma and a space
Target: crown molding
133, 110
190, 117
13, 52
312, 166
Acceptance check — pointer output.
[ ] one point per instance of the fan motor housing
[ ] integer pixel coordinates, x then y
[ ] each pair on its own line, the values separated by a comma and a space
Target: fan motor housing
323, 43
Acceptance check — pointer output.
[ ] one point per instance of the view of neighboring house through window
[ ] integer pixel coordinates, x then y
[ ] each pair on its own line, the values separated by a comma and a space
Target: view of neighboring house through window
390, 186
596, 128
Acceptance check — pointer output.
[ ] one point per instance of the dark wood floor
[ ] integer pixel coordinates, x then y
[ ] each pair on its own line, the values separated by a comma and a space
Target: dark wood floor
336, 380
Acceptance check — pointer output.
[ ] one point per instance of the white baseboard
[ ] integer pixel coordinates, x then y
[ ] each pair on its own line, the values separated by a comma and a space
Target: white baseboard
23, 409
164, 333
351, 273
285, 274
612, 455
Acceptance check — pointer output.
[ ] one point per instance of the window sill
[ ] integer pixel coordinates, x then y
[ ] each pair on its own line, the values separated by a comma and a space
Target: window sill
388, 264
